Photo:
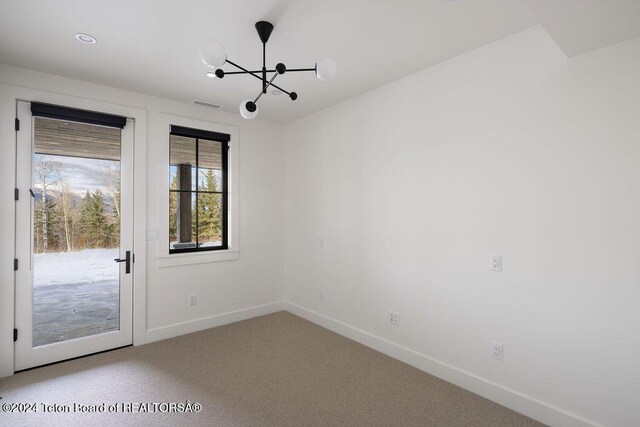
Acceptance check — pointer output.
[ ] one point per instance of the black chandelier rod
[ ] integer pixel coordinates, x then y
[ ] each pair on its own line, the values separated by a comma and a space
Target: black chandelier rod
270, 83
264, 67
226, 73
245, 71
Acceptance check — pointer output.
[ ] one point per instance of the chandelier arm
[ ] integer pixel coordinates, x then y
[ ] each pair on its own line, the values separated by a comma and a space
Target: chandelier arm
226, 73
300, 69
245, 71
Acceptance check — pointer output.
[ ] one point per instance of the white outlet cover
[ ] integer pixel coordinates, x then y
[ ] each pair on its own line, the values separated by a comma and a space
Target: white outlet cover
394, 318
497, 350
152, 234
495, 263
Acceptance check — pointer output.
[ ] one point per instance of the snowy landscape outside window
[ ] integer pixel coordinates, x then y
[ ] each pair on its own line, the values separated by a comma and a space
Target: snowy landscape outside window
197, 190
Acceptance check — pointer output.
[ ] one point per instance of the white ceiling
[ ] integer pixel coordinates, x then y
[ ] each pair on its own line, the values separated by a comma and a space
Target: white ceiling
580, 26
152, 47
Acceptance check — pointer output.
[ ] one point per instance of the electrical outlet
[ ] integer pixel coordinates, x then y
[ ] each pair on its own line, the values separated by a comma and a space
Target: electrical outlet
321, 294
192, 300
152, 234
394, 318
495, 263
497, 351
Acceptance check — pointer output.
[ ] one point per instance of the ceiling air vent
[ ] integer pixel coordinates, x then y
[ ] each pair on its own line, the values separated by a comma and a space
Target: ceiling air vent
207, 104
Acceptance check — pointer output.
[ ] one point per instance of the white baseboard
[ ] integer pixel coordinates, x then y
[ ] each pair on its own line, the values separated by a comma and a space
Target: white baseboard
183, 328
512, 399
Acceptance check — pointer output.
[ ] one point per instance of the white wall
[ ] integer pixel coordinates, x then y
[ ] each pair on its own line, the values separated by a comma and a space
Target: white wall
395, 199
226, 291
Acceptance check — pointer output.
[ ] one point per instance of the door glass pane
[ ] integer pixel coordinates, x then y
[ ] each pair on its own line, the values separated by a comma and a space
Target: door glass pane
76, 230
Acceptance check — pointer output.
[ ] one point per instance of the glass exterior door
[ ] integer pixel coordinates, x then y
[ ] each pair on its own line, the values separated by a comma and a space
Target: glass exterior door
73, 295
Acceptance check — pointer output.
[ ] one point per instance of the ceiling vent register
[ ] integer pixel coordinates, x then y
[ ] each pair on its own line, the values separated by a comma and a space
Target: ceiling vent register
207, 104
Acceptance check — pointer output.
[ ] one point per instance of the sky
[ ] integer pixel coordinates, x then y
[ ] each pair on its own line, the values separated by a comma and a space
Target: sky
82, 174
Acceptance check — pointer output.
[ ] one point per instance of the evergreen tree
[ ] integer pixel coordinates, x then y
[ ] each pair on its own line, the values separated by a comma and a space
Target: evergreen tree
93, 221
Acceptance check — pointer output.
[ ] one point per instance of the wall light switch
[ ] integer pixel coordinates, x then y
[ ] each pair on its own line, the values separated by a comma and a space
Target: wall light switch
495, 263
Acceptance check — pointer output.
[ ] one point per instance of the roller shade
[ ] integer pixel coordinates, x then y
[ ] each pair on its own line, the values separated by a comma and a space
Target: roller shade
76, 115
198, 133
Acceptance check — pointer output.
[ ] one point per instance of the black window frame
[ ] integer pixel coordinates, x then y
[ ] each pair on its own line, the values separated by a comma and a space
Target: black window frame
224, 140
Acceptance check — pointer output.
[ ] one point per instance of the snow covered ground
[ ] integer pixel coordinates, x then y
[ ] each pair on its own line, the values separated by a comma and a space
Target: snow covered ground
86, 266
75, 295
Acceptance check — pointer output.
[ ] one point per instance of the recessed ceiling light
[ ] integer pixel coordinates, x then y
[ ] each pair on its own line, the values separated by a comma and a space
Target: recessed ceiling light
210, 74
86, 38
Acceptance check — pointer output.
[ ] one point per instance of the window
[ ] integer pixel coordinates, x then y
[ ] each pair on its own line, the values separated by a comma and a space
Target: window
198, 182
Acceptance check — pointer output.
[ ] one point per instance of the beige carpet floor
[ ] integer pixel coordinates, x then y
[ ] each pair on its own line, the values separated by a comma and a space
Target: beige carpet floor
275, 370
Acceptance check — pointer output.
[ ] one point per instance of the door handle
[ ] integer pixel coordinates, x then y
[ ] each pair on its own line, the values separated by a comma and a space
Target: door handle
127, 261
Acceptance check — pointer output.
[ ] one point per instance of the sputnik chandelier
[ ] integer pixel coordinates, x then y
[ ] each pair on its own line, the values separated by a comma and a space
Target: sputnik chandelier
213, 54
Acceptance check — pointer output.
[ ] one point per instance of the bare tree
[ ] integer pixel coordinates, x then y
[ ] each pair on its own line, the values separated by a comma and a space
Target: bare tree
111, 184
47, 177
67, 207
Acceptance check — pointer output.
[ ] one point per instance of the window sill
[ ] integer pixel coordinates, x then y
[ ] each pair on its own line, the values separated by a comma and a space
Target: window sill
192, 258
